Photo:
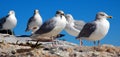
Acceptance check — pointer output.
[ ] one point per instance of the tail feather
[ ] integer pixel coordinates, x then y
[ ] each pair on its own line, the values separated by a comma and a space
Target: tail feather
27, 29
77, 37
59, 35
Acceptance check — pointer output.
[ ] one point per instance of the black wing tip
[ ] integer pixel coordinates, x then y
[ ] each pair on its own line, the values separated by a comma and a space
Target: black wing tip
24, 36
7, 32
26, 30
77, 38
60, 35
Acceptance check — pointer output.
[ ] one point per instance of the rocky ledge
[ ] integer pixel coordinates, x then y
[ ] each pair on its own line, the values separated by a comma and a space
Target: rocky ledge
11, 46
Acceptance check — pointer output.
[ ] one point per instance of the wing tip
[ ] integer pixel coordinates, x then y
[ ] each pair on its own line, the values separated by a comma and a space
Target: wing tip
26, 30
77, 38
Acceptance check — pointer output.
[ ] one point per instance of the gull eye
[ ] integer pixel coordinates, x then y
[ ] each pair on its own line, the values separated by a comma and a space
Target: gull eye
62, 14
102, 14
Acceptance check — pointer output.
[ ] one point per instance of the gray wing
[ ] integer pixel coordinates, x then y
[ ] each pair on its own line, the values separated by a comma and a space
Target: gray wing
46, 27
87, 30
29, 21
2, 21
79, 24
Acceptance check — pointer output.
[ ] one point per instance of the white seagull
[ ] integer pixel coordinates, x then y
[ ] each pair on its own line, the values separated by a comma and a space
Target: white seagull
8, 22
96, 30
34, 22
52, 27
74, 26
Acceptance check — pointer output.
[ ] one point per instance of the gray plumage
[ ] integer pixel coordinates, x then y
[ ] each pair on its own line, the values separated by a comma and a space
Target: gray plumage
46, 27
29, 21
87, 30
52, 27
74, 26
2, 21
8, 22
34, 22
79, 24
96, 30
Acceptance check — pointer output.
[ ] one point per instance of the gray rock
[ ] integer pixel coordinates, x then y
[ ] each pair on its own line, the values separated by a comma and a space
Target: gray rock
10, 47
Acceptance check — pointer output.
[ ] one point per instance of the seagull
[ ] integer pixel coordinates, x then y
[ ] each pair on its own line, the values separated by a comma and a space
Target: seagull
96, 30
74, 26
34, 22
52, 27
8, 22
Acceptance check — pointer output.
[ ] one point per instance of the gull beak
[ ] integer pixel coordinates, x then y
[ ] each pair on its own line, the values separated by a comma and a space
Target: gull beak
109, 17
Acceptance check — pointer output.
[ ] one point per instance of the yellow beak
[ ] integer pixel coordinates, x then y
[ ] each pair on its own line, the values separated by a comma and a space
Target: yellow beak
109, 17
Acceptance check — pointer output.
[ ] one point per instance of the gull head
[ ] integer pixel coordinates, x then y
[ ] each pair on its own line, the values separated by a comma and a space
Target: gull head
59, 12
102, 15
36, 11
11, 12
69, 18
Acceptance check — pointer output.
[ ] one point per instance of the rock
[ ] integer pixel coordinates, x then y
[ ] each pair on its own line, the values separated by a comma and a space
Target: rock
95, 54
13, 51
11, 46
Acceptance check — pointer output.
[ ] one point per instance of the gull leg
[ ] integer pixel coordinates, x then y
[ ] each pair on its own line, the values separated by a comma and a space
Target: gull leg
7, 31
98, 42
53, 45
57, 43
57, 36
11, 32
81, 43
94, 42
52, 41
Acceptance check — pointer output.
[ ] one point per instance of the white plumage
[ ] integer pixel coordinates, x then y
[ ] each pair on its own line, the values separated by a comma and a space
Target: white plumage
51, 27
34, 22
96, 30
102, 27
74, 26
8, 22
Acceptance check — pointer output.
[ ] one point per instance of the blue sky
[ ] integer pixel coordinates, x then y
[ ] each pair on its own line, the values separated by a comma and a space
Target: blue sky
80, 9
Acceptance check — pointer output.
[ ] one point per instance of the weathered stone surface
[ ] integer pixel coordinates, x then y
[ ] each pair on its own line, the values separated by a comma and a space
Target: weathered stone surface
11, 46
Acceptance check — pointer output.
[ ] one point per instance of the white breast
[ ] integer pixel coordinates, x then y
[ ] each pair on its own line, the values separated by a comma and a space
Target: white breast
60, 25
38, 20
10, 23
36, 23
101, 30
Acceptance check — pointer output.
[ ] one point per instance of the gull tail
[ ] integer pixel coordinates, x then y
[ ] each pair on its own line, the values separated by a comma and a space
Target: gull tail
27, 29
59, 35
77, 38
